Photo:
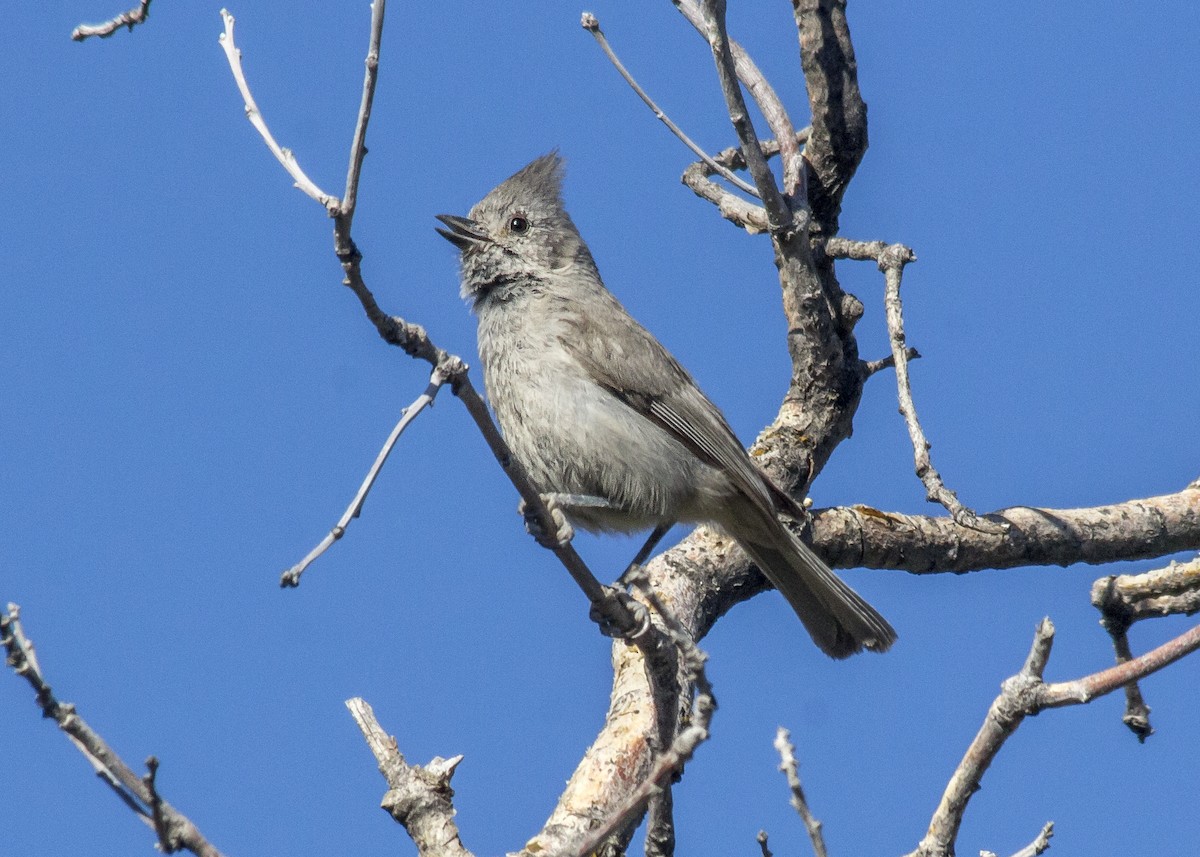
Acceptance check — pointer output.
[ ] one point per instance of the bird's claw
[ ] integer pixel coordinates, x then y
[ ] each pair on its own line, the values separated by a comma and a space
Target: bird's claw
563, 531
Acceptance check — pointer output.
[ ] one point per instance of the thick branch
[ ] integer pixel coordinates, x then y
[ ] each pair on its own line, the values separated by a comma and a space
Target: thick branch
706, 574
1136, 529
839, 114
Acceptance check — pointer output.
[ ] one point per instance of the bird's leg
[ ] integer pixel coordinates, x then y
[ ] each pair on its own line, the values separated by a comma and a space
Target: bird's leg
651, 543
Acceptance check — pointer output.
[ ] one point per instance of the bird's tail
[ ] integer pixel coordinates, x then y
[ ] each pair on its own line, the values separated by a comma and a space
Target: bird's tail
840, 622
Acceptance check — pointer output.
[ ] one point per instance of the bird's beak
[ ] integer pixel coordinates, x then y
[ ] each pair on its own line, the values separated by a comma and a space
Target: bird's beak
463, 233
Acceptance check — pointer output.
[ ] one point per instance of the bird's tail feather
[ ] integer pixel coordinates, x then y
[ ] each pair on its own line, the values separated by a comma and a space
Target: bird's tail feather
839, 620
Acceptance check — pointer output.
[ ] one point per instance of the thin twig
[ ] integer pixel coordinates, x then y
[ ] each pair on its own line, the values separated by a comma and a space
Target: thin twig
779, 214
174, 830
769, 103
590, 23
791, 769
892, 261
291, 577
358, 144
128, 20
418, 796
1024, 695
872, 367
284, 156
1040, 843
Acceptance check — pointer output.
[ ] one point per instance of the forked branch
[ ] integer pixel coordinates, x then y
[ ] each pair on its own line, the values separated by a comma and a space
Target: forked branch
1023, 695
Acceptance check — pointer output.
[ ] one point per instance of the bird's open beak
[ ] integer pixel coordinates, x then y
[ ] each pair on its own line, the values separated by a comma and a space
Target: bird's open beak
463, 232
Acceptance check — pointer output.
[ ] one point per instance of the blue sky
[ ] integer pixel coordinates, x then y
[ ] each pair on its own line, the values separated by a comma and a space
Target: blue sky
191, 397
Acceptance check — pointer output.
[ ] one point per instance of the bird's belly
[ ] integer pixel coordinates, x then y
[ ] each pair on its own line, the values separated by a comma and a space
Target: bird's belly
574, 437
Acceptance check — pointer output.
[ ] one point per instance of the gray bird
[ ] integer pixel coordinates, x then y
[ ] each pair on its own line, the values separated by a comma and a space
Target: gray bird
606, 421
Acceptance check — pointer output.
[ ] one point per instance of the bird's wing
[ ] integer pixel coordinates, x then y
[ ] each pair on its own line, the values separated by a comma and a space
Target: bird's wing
641, 373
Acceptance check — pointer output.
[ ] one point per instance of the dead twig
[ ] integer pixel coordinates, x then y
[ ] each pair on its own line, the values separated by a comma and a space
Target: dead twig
128, 20
791, 770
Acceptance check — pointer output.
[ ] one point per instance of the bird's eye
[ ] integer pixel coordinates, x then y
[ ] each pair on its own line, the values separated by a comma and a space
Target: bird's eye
518, 224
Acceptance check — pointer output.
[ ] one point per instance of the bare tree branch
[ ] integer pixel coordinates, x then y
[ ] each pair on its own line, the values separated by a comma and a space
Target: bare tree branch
873, 367
1147, 528
284, 156
419, 797
174, 830
779, 214
740, 212
358, 143
892, 261
1038, 846
612, 608
1023, 695
128, 20
291, 577
839, 114
768, 102
660, 824
1128, 598
590, 23
761, 839
671, 762
706, 574
791, 769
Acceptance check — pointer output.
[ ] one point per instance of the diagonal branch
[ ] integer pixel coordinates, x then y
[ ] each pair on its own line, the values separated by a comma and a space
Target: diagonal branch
1128, 598
174, 830
611, 606
291, 577
791, 770
284, 156
768, 102
590, 23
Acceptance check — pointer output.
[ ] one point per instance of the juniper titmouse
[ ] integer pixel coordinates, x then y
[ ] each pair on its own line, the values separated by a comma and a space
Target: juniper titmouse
603, 417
